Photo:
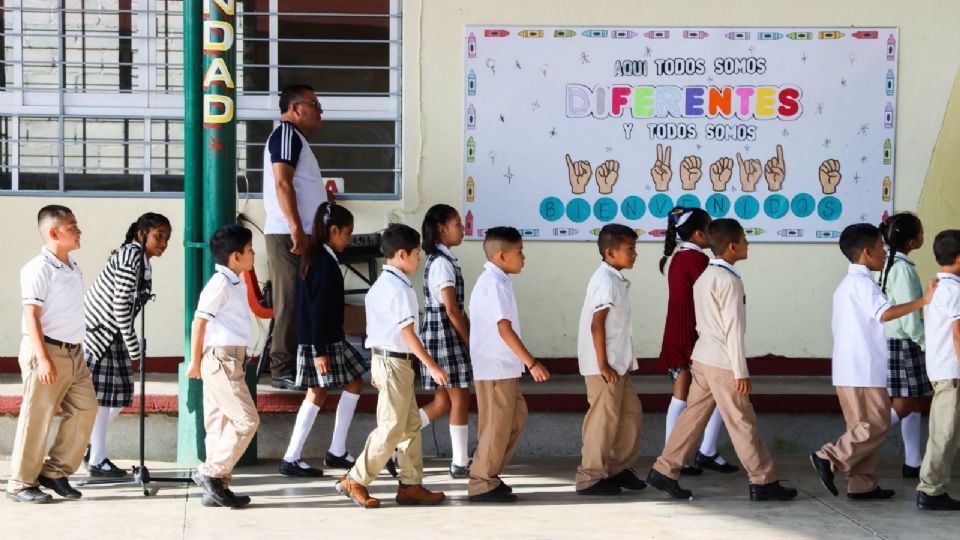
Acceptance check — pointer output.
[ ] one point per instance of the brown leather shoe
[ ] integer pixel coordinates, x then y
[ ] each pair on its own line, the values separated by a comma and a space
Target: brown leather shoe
356, 492
417, 494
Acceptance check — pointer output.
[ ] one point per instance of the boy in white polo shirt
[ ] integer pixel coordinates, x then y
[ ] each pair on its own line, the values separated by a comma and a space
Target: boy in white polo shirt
51, 365
860, 366
611, 428
218, 354
720, 375
392, 322
941, 322
499, 358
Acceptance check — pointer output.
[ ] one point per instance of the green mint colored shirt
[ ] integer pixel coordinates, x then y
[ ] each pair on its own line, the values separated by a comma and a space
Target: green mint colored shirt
903, 285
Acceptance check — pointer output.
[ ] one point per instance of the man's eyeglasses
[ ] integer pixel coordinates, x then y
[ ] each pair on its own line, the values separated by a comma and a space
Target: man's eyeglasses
315, 104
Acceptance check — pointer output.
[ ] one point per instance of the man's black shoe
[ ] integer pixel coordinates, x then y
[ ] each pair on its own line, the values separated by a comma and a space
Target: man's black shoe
299, 469
61, 486
333, 461
878, 493
910, 472
504, 485
392, 468
213, 488
702, 461
285, 382
30, 495
771, 492
665, 483
603, 487
825, 473
936, 502
499, 494
628, 479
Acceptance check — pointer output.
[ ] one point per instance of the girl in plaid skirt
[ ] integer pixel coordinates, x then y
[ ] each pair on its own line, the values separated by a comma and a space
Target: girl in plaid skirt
907, 379
445, 330
111, 342
324, 358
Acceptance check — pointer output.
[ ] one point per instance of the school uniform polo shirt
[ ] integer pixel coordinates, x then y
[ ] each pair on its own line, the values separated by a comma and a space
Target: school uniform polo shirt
391, 306
859, 345
442, 275
943, 360
720, 306
57, 288
607, 290
903, 285
492, 301
223, 302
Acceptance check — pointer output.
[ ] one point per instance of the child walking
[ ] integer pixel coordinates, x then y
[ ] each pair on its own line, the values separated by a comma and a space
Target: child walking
611, 428
907, 380
445, 330
860, 366
111, 343
218, 356
392, 317
683, 265
324, 358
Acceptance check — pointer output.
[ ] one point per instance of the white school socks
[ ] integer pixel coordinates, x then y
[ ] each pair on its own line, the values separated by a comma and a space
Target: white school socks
894, 419
301, 428
458, 440
710, 435
341, 427
673, 411
912, 445
424, 419
98, 438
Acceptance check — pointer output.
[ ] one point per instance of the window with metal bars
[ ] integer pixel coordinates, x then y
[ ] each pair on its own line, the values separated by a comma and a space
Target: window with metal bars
91, 92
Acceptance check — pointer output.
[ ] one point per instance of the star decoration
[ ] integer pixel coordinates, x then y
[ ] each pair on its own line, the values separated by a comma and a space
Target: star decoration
535, 105
699, 147
826, 143
647, 52
856, 178
819, 108
843, 82
502, 119
609, 149
785, 132
863, 159
509, 175
584, 58
215, 144
553, 132
803, 58
746, 148
517, 64
864, 128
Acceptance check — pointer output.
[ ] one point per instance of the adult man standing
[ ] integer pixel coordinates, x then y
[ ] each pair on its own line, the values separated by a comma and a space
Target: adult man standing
292, 191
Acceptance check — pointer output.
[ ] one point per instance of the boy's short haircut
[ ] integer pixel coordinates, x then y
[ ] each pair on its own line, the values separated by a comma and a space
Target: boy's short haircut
856, 238
227, 240
722, 233
946, 246
52, 212
499, 238
614, 235
398, 236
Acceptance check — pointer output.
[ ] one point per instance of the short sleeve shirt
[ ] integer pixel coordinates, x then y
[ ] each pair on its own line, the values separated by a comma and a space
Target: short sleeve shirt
607, 290
943, 360
57, 288
287, 145
391, 306
492, 301
859, 345
223, 302
442, 274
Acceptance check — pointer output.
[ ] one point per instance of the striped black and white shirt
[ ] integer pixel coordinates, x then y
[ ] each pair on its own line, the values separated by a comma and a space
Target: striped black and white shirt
109, 302
289, 146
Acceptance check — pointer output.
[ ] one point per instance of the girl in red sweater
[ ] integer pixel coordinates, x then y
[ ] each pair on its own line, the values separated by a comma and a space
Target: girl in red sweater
686, 262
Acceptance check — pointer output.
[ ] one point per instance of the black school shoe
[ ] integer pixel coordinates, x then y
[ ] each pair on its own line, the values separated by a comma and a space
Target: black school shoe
333, 461
936, 502
499, 494
825, 472
878, 493
702, 461
285, 382
392, 468
213, 488
106, 469
61, 486
31, 495
910, 472
299, 469
667, 484
689, 470
628, 479
771, 492
604, 487
238, 501
459, 472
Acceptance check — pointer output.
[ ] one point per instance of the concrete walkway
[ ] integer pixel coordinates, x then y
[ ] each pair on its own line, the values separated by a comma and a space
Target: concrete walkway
549, 508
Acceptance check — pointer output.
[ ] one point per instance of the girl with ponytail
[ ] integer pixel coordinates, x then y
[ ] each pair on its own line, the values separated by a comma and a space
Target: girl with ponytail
682, 265
907, 380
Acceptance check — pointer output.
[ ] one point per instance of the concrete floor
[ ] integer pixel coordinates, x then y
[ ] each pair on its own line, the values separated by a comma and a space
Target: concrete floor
549, 508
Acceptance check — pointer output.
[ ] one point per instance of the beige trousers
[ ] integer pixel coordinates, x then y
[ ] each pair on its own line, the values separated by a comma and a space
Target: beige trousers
944, 436
501, 415
398, 425
611, 430
229, 413
715, 386
856, 452
73, 392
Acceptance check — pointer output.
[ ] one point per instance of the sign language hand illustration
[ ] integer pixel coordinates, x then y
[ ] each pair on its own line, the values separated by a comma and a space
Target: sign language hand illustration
661, 172
579, 173
750, 172
720, 173
830, 176
775, 170
606, 175
690, 172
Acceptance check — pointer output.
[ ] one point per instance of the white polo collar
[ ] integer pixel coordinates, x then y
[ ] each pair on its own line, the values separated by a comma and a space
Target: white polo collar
947, 276
608, 267
397, 273
446, 251
233, 278
497, 272
57, 263
331, 252
904, 258
859, 269
691, 246
725, 264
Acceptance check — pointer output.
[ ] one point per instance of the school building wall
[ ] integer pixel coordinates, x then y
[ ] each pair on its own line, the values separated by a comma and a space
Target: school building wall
789, 287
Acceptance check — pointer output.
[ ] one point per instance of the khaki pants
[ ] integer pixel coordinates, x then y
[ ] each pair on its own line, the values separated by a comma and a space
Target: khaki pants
283, 276
611, 430
944, 436
856, 452
229, 414
715, 386
398, 425
73, 392
501, 415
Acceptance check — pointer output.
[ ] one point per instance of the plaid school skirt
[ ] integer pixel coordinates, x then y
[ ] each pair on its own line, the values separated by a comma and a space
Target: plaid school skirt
112, 374
346, 366
441, 340
907, 369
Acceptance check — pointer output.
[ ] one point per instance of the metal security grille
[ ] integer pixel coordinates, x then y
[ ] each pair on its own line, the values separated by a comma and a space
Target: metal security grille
91, 92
